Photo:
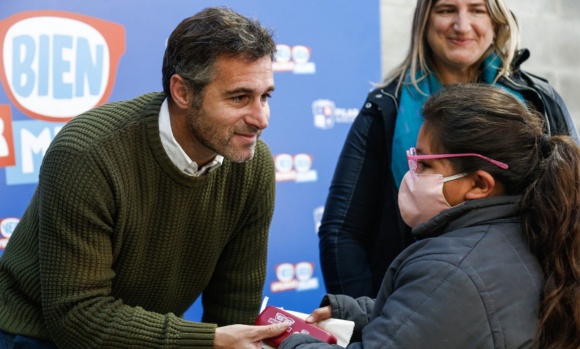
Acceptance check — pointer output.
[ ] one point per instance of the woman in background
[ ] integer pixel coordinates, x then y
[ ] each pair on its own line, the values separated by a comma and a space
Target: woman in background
451, 41
493, 202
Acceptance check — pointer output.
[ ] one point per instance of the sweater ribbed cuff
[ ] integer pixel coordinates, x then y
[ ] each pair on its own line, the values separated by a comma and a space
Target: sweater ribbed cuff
197, 335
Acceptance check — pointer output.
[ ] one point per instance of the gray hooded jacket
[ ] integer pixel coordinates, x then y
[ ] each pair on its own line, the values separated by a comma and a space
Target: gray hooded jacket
470, 281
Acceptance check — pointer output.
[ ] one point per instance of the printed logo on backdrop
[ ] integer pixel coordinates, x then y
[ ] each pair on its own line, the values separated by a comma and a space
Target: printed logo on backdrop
297, 168
326, 114
297, 277
295, 59
58, 64
32, 139
7, 226
55, 65
7, 155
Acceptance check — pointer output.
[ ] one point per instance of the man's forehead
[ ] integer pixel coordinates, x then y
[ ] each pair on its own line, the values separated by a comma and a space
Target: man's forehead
239, 75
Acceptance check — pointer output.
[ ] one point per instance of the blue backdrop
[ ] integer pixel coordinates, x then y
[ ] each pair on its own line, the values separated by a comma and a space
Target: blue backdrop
62, 57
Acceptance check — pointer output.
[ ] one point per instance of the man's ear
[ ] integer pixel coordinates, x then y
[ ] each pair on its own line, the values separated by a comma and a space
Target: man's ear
180, 92
484, 185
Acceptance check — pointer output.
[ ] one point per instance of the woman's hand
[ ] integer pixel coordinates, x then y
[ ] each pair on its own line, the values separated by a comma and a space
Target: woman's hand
246, 337
319, 314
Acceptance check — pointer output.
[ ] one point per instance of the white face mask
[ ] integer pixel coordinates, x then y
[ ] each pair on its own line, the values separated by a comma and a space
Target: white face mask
421, 198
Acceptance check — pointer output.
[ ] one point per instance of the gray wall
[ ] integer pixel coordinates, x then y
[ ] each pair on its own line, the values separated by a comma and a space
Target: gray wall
549, 28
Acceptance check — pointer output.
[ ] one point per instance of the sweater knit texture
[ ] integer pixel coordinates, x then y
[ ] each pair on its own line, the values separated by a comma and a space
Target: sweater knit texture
117, 242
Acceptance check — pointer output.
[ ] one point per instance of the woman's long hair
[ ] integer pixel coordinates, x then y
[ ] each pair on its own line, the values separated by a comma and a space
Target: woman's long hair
418, 59
483, 119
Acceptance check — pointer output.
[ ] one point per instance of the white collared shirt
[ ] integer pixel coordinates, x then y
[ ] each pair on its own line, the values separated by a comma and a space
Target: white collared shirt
176, 153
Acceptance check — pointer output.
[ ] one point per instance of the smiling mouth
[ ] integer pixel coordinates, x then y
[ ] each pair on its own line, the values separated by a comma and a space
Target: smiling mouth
460, 41
247, 137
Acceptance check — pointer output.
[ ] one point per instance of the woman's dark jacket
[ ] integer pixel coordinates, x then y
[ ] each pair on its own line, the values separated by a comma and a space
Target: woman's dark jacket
361, 230
470, 281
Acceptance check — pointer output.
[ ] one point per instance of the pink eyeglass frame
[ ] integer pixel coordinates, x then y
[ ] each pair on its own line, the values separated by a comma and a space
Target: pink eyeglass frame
412, 158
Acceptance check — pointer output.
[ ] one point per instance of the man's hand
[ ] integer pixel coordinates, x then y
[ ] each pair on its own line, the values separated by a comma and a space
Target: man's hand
319, 314
246, 337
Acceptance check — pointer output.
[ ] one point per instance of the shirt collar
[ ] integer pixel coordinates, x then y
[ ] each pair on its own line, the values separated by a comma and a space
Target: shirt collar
176, 152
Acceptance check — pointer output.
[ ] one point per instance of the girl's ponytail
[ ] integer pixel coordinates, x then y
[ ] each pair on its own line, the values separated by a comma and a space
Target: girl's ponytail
551, 220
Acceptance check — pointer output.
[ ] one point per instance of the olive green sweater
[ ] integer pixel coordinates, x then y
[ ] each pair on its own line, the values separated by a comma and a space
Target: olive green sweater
117, 243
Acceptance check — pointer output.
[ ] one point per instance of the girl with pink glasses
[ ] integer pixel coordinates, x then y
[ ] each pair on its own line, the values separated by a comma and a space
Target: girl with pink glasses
494, 205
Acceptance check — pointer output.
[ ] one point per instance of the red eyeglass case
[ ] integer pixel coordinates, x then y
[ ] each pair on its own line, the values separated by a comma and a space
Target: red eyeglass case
273, 315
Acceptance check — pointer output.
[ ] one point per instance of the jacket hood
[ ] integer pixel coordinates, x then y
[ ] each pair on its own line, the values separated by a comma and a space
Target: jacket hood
520, 57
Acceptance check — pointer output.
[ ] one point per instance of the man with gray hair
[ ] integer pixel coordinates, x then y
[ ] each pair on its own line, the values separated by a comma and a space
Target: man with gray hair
145, 205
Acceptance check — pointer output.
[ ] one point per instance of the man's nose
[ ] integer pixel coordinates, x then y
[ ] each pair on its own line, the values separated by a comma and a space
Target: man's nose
259, 115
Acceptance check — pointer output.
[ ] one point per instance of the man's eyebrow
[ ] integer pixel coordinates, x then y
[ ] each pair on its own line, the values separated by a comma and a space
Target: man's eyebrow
247, 90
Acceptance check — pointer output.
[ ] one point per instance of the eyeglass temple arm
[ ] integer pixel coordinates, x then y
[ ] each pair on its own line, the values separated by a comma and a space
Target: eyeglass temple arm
499, 164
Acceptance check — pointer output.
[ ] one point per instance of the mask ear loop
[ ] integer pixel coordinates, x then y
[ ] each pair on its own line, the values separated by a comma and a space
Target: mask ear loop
456, 176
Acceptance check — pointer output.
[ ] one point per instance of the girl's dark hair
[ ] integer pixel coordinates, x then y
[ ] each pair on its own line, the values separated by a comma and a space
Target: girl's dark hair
483, 119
